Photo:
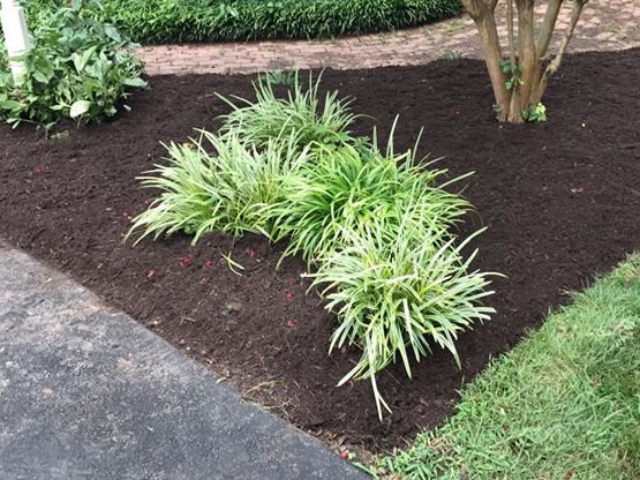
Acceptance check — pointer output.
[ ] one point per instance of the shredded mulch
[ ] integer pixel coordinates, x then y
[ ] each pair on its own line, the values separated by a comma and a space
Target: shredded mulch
561, 202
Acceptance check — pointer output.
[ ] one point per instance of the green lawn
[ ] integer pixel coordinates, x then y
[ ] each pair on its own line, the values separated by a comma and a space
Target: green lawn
563, 404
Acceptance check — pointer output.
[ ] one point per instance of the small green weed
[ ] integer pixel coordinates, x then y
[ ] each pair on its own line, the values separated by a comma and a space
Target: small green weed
451, 55
278, 77
536, 113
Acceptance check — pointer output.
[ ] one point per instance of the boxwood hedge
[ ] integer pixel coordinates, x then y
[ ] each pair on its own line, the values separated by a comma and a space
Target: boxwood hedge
177, 21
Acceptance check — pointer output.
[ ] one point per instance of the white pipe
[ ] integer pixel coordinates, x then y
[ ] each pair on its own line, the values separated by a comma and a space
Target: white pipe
16, 37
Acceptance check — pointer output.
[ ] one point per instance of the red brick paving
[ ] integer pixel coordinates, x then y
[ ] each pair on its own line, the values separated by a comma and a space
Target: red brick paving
605, 25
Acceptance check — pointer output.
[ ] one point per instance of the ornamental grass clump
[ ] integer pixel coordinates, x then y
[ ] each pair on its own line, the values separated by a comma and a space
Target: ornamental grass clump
229, 190
397, 297
377, 226
350, 187
299, 113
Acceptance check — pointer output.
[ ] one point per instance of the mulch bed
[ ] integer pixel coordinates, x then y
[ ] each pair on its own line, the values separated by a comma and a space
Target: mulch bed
561, 200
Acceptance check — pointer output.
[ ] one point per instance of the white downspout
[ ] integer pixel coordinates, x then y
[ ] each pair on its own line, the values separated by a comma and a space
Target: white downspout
16, 37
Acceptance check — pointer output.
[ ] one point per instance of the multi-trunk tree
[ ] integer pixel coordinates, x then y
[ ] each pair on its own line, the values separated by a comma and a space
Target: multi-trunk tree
520, 78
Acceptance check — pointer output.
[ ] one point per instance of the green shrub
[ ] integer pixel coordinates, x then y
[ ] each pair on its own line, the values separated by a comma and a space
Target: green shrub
299, 114
349, 187
396, 296
229, 190
177, 21
77, 68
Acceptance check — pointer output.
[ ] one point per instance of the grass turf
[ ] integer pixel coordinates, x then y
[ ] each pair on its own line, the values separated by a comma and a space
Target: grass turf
563, 404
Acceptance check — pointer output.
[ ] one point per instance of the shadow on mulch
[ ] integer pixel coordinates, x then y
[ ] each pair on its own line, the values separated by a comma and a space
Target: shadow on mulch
561, 200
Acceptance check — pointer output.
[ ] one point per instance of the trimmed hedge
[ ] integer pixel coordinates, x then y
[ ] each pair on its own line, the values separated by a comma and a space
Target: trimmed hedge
179, 21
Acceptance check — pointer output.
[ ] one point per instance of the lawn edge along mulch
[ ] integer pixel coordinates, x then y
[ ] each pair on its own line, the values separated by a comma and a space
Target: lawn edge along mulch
561, 404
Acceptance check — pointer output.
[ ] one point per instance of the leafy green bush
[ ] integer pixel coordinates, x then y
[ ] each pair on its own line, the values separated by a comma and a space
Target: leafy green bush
77, 68
394, 296
350, 187
177, 21
229, 190
299, 114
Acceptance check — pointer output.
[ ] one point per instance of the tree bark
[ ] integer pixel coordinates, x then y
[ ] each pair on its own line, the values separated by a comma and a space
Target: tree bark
515, 109
529, 80
528, 56
548, 26
493, 57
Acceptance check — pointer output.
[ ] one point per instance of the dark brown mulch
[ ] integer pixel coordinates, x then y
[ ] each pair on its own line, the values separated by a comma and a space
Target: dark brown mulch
562, 203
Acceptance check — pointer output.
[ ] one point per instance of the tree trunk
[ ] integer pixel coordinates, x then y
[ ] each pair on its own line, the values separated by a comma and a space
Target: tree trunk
529, 81
493, 56
548, 26
529, 62
515, 109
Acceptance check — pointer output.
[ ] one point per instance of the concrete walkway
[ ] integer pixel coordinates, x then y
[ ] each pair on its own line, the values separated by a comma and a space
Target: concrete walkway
86, 393
604, 25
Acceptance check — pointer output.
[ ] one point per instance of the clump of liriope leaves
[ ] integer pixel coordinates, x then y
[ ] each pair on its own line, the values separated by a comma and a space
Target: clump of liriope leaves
218, 183
376, 226
350, 186
258, 151
300, 112
77, 68
399, 291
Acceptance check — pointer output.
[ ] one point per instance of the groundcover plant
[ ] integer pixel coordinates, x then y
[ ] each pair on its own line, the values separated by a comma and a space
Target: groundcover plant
376, 228
231, 190
299, 115
397, 295
350, 186
179, 21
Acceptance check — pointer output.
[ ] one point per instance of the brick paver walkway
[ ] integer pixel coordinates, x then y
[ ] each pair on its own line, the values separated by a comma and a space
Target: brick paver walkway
605, 25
